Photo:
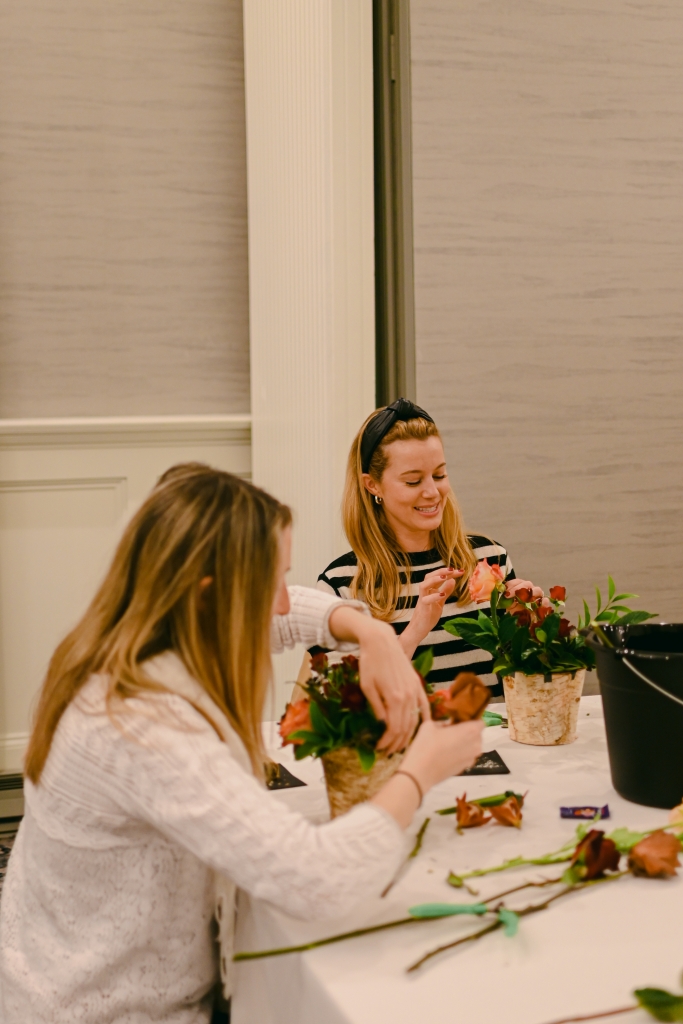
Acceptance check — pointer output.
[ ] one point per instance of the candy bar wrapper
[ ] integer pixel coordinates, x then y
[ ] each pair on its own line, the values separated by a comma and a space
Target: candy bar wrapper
587, 813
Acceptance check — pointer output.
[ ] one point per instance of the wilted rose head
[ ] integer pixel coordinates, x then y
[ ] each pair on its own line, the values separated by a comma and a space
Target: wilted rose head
469, 815
655, 856
594, 855
509, 812
466, 699
297, 716
483, 581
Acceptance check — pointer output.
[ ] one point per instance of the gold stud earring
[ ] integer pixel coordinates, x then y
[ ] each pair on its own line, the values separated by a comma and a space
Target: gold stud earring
378, 500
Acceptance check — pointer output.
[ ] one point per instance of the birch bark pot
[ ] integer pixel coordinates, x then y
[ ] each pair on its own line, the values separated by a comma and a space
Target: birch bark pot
347, 783
543, 713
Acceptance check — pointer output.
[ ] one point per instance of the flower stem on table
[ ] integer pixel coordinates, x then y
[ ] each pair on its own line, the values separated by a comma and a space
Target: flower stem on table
418, 839
598, 1016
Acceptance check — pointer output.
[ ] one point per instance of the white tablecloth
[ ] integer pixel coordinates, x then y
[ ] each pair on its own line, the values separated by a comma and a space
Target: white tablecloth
584, 954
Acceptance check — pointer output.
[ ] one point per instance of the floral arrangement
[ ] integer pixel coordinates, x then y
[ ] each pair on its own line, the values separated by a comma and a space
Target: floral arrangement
527, 631
335, 713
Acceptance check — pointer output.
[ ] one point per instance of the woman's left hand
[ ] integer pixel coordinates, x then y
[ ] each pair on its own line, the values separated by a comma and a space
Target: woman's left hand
388, 680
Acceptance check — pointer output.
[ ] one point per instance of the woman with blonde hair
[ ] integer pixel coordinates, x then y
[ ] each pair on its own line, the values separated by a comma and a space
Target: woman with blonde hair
144, 772
411, 563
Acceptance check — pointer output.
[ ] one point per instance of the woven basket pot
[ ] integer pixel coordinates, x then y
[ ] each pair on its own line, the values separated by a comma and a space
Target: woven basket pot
540, 713
347, 783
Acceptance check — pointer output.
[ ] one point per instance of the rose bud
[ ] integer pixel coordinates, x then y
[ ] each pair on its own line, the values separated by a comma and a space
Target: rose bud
436, 702
558, 593
594, 855
656, 856
484, 580
509, 812
297, 716
469, 815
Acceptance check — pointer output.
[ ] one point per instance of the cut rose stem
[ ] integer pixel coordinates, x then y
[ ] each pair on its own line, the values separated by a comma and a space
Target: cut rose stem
375, 927
598, 1016
524, 912
413, 853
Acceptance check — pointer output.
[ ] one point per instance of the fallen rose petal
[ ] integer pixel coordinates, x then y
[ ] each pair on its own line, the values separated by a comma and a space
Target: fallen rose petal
557, 593
297, 716
594, 855
469, 815
509, 812
467, 698
656, 856
483, 581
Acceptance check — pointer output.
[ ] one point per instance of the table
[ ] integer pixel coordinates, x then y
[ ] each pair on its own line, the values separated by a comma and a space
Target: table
585, 954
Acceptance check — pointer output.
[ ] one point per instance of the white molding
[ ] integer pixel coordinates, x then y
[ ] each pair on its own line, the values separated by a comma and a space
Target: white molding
107, 431
12, 749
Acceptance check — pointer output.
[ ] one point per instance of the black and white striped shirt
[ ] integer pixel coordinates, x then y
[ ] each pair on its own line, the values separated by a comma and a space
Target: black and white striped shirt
451, 655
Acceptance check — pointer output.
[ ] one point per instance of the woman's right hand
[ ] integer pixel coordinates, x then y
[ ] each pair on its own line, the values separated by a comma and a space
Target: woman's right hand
435, 589
437, 752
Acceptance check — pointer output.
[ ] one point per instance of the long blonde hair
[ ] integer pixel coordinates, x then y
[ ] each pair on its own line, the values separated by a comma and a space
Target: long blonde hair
198, 522
380, 557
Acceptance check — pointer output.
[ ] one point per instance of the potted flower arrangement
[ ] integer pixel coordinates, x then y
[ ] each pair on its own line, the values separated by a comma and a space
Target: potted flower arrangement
336, 723
542, 657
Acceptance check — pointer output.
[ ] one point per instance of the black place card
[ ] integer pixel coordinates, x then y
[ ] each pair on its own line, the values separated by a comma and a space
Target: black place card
281, 778
490, 763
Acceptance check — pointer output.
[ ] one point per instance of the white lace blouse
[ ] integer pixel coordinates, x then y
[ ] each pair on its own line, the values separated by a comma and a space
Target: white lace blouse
108, 906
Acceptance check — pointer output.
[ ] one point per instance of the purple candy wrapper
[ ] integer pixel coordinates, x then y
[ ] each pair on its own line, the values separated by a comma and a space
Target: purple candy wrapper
584, 812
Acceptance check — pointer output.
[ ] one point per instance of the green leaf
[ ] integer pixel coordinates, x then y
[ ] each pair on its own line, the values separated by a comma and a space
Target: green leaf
660, 1004
588, 615
541, 635
423, 663
610, 589
491, 718
447, 909
366, 758
455, 880
624, 839
453, 625
632, 618
626, 597
509, 920
599, 597
507, 626
571, 876
318, 720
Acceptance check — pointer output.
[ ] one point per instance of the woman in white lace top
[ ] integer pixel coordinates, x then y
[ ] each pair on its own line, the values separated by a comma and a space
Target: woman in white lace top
144, 774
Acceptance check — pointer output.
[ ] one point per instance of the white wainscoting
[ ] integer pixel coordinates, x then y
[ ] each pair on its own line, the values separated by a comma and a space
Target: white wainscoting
67, 486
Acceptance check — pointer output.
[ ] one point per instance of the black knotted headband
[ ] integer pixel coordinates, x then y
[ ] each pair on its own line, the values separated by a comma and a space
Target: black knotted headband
380, 425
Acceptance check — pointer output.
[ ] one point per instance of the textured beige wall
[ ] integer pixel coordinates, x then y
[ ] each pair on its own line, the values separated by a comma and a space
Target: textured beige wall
548, 181
123, 252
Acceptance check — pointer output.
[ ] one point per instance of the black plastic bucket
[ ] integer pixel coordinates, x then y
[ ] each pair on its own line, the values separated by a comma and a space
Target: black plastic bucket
641, 681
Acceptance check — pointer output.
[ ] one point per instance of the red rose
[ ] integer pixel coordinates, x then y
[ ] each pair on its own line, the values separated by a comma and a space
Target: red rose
558, 593
565, 628
297, 716
352, 697
350, 662
436, 702
319, 662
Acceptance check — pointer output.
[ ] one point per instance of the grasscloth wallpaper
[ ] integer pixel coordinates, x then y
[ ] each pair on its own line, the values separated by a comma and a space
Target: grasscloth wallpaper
548, 195
123, 243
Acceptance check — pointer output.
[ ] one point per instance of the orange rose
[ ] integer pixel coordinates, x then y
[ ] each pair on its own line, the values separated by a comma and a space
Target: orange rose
483, 581
297, 716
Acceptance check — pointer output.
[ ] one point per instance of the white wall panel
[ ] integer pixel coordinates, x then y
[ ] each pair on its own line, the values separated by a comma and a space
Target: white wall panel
66, 489
548, 202
123, 237
308, 79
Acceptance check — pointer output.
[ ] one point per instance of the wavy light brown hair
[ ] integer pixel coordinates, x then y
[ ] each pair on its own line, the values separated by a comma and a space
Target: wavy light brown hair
380, 557
198, 522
